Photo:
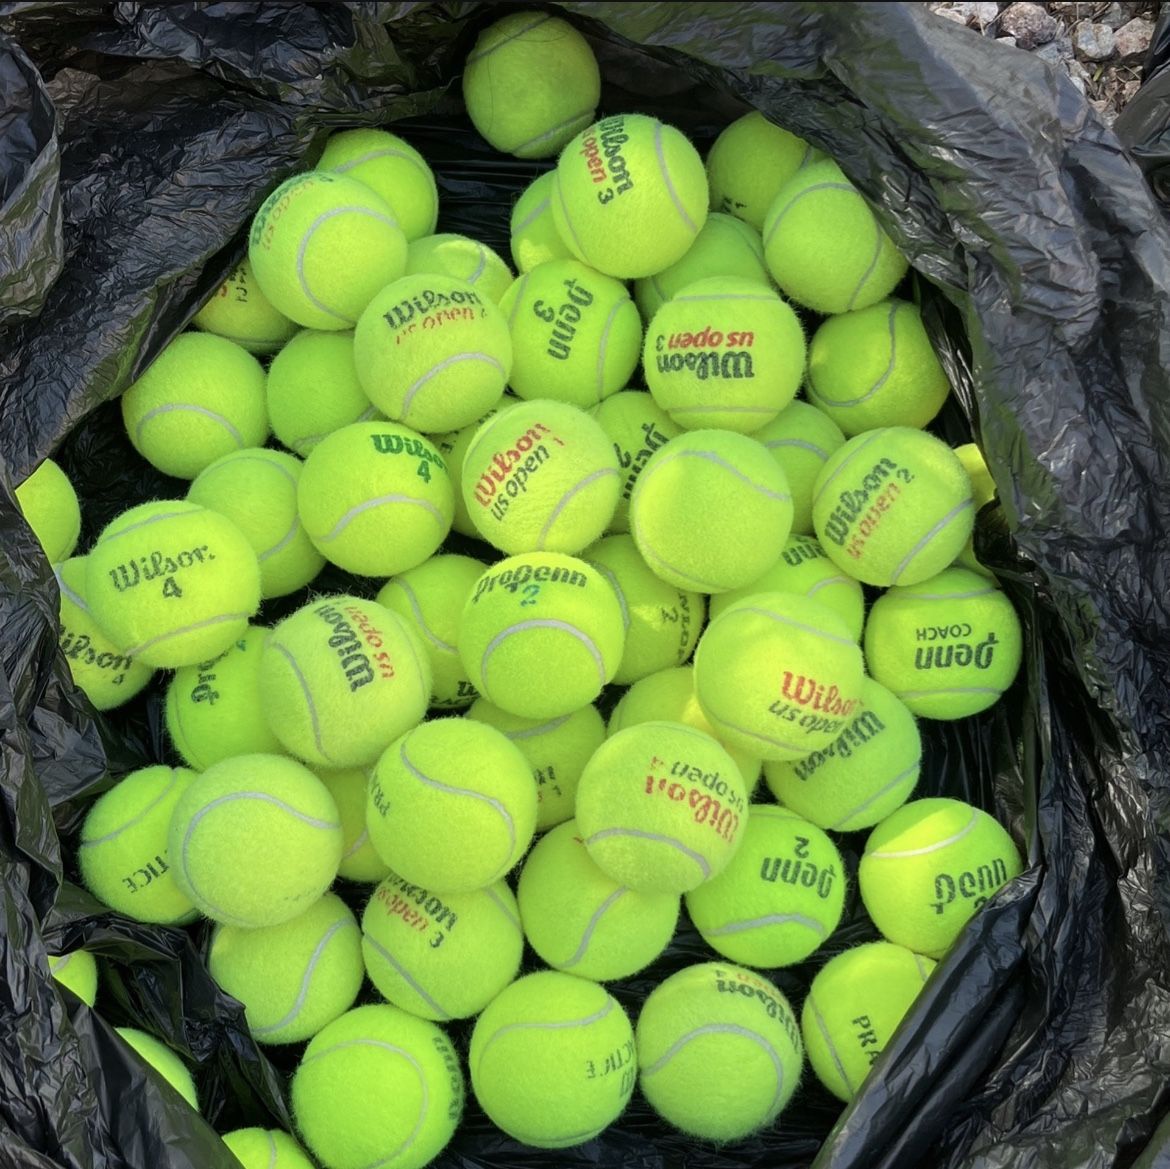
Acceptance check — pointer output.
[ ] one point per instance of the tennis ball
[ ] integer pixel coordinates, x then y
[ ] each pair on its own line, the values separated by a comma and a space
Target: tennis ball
557, 750
49, 505
541, 634
340, 679
393, 170
929, 867
255, 840
313, 389
173, 582
375, 498
535, 239
202, 397
257, 491
452, 805
552, 1060
430, 598
266, 1148
294, 977
163, 1060
322, 245
350, 789
465, 259
582, 921
453, 447
377, 1087
983, 488
239, 311
78, 971
948, 647
710, 511
106, 675
893, 506
823, 245
530, 83
441, 956
853, 1008
630, 196
778, 674
719, 1051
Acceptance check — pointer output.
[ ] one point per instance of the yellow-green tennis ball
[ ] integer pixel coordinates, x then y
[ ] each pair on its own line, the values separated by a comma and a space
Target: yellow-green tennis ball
294, 977
824, 246
78, 971
453, 447
163, 1060
552, 1060
106, 674
203, 397
270, 810
239, 311
172, 582
711, 511
781, 896
322, 245
580, 920
378, 1087
49, 505
340, 679
350, 789
630, 196
266, 1148
929, 868
375, 498
779, 675
535, 239
853, 1008
441, 956
541, 634
719, 1051
393, 170
557, 750
448, 254
530, 83
983, 487
470, 786
661, 807
893, 506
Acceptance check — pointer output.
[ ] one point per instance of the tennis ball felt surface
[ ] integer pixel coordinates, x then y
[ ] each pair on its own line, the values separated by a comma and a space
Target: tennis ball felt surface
441, 956
552, 1060
266, 1148
453, 445
164, 1061
49, 505
541, 634
267, 814
630, 196
78, 971
239, 311
449, 254
294, 977
535, 239
350, 789
982, 485
719, 1051
202, 397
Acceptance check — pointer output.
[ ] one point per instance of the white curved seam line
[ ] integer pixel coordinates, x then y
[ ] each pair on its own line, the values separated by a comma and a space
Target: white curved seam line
302, 681
543, 623
446, 363
145, 523
539, 1025
914, 694
162, 795
74, 598
503, 907
219, 619
828, 582
846, 462
303, 992
532, 216
591, 926
517, 302
659, 838
272, 1150
729, 296
542, 729
780, 619
807, 191
213, 415
756, 923
559, 128
358, 844
377, 501
669, 182
926, 849
719, 461
881, 381
968, 596
705, 586
371, 156
324, 217
485, 53
406, 976
837, 1063
481, 251
615, 584
568, 222
802, 443
873, 263
425, 629
716, 408
877, 795
771, 740
603, 348
953, 514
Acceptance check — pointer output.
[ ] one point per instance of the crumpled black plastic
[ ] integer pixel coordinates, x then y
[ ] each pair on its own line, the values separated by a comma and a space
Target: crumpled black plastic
1044, 263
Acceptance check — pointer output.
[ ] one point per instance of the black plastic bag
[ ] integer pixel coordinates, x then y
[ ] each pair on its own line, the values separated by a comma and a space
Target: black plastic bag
1043, 262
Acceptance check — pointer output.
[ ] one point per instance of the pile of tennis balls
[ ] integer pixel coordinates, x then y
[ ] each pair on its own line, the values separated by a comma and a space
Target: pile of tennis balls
433, 739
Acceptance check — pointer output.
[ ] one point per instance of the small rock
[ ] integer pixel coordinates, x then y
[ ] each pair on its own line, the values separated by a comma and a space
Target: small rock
1078, 83
1051, 53
1077, 72
1113, 17
1029, 24
1133, 39
951, 14
1009, 41
1094, 42
983, 14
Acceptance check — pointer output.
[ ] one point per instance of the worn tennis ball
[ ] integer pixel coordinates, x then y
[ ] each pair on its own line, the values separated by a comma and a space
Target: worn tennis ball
49, 505
202, 397
430, 598
824, 246
779, 675
239, 311
530, 83
929, 867
893, 506
557, 750
78, 971
579, 919
172, 582
948, 647
375, 498
983, 491
392, 169
541, 634
711, 511
266, 1148
340, 679
322, 245
552, 1060
448, 254
433, 352
719, 1051
630, 196
163, 1060
471, 786
257, 490
350, 789
453, 447
377, 1087
441, 956
853, 1008
268, 815
534, 235
108, 676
